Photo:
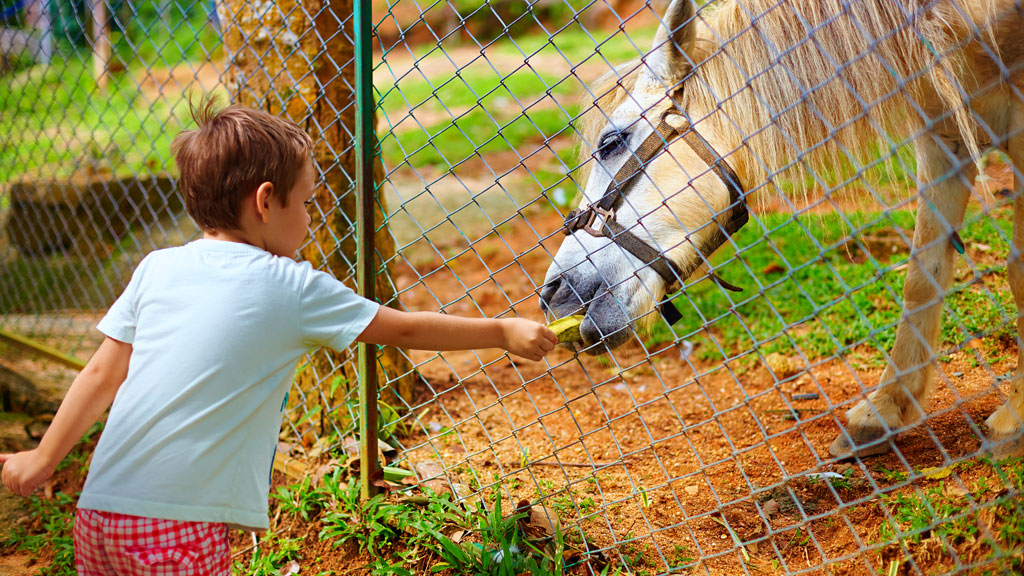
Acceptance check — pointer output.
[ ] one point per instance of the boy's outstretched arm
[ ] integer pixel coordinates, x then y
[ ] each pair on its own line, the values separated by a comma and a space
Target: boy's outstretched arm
433, 331
90, 394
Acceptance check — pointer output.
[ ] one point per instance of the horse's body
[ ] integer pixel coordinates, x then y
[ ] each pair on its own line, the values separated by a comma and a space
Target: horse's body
809, 85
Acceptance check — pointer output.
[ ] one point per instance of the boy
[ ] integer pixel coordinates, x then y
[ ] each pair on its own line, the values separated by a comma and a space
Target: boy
205, 340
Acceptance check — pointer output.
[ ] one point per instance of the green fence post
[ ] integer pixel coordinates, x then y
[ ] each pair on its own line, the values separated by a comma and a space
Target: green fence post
365, 227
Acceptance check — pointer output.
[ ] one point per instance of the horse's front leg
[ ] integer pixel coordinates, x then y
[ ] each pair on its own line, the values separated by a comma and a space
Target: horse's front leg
903, 390
1006, 425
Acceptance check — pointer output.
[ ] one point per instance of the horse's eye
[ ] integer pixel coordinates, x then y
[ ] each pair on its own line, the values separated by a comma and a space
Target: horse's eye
611, 143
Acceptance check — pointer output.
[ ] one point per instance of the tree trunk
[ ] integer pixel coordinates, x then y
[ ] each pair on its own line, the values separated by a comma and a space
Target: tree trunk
295, 59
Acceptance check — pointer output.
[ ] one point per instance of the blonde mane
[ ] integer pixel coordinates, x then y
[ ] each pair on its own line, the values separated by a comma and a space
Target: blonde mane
829, 78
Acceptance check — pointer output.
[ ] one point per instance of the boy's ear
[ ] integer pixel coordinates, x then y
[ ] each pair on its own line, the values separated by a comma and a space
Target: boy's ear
263, 195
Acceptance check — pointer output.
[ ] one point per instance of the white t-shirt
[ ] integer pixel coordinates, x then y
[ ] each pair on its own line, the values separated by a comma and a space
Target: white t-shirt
217, 329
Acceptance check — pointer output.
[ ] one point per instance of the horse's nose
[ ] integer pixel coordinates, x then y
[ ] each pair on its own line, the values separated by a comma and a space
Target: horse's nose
563, 295
547, 293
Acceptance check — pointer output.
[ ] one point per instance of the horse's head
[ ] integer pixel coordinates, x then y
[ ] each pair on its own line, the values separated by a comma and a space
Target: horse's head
680, 203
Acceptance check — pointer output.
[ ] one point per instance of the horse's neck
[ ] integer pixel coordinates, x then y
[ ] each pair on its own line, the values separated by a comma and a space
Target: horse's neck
775, 97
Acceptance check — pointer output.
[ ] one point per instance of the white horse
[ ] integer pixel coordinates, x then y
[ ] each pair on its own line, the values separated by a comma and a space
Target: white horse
757, 90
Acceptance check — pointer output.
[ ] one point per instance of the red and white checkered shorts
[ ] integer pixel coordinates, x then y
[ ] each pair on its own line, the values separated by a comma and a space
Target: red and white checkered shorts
109, 544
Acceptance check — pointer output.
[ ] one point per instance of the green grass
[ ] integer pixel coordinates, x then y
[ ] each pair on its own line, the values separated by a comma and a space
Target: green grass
987, 517
488, 105
821, 301
55, 120
398, 536
576, 44
488, 115
271, 557
58, 282
49, 531
49, 523
402, 538
477, 85
450, 143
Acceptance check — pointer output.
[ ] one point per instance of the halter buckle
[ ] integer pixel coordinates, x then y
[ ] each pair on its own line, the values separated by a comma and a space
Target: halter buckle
592, 213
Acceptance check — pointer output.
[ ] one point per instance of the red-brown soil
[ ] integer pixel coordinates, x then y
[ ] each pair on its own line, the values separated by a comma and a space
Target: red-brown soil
647, 452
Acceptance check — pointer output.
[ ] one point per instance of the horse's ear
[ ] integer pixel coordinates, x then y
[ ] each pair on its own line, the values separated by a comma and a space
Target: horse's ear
673, 42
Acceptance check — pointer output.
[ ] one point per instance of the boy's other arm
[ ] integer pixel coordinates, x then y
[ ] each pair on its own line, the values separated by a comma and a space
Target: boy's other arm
433, 331
90, 395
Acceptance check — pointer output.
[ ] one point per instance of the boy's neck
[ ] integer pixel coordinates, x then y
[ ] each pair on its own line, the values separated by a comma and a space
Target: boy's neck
228, 236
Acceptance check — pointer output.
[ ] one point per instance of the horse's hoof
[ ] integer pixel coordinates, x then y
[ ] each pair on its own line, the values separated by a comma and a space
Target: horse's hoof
842, 448
1005, 445
1005, 433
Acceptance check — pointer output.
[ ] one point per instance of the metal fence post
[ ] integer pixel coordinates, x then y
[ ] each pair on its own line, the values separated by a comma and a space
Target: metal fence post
365, 146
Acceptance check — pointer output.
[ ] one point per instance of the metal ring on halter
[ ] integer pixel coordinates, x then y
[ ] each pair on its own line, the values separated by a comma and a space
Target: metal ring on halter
595, 212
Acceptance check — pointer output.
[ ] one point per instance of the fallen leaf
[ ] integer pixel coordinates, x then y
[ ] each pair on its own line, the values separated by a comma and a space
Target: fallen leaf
539, 523
824, 476
377, 479
936, 473
351, 447
438, 486
316, 475
956, 491
428, 468
461, 491
844, 469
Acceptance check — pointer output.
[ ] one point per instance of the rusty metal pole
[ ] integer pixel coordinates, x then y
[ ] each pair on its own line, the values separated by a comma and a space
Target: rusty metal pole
366, 144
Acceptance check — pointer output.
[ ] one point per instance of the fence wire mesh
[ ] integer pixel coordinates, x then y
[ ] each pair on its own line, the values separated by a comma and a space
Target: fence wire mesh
879, 146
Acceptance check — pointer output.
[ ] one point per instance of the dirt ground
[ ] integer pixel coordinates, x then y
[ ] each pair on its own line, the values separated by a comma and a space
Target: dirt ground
652, 450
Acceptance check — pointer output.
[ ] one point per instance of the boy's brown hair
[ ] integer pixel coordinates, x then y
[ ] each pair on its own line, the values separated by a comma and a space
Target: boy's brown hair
232, 152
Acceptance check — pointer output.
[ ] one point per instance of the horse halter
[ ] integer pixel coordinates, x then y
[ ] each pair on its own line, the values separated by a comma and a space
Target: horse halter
598, 219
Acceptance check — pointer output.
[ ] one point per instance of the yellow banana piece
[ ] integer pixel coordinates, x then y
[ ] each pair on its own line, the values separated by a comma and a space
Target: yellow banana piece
567, 329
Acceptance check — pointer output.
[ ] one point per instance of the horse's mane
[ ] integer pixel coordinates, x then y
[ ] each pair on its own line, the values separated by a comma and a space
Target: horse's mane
866, 75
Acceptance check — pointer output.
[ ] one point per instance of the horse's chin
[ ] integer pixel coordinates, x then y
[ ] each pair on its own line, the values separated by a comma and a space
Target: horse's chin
609, 321
604, 329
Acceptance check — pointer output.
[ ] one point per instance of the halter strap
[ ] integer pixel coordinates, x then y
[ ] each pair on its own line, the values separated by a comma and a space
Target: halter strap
599, 219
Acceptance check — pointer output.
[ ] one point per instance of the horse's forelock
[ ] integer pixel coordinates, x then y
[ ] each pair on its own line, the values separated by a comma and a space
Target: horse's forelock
600, 100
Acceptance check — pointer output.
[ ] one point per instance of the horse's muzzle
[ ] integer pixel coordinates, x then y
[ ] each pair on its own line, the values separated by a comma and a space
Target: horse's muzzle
606, 325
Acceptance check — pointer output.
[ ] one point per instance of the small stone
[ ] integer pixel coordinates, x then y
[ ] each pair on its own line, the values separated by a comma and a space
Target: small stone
685, 349
781, 366
691, 490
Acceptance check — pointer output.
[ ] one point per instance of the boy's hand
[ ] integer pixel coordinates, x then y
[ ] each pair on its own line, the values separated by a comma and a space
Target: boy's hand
25, 471
527, 338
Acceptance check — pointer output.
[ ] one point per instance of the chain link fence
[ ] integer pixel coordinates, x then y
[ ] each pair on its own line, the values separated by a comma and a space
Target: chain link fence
873, 149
